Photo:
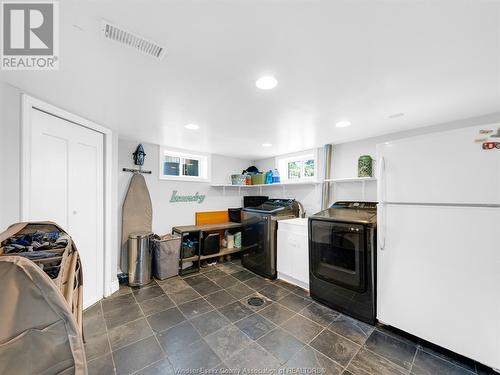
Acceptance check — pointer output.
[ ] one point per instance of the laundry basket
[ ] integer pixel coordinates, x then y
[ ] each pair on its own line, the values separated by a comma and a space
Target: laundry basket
166, 256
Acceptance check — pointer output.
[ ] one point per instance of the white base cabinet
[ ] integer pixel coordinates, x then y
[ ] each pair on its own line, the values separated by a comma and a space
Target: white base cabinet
293, 252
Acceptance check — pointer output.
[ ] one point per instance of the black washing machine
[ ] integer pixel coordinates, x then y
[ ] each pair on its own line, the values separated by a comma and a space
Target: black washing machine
342, 258
259, 234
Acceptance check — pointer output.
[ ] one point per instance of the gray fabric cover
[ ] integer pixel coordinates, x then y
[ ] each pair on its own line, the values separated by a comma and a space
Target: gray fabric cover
166, 256
137, 214
38, 333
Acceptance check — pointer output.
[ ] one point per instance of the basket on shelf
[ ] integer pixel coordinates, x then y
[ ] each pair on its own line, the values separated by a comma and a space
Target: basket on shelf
238, 179
258, 179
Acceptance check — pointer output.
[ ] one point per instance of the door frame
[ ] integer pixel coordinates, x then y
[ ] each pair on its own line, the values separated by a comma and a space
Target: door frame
110, 281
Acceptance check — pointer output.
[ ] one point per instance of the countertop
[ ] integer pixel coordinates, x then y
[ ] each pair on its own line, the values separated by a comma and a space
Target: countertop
206, 227
295, 221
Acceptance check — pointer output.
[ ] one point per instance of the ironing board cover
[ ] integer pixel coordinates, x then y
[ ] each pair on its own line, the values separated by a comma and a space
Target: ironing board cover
38, 334
137, 214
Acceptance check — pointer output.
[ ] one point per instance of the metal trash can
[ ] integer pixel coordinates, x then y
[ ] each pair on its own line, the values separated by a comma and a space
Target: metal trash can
139, 259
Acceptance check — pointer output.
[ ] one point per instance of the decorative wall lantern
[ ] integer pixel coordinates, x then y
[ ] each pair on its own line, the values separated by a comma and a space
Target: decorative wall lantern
139, 155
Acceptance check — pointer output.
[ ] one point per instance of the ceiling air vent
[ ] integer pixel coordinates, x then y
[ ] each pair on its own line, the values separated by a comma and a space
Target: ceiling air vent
119, 35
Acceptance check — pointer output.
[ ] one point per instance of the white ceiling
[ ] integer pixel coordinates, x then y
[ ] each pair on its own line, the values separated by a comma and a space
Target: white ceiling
361, 60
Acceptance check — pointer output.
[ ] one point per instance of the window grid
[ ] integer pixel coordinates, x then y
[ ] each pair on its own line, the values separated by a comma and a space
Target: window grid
179, 165
298, 167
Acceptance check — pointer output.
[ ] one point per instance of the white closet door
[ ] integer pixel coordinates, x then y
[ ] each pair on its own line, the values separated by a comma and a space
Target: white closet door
66, 181
49, 165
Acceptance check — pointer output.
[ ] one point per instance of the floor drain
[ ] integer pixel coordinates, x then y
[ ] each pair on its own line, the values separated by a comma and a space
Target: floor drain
255, 301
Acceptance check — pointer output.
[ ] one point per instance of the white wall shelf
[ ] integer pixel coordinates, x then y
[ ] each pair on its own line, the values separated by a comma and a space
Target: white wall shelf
269, 185
362, 180
283, 185
351, 179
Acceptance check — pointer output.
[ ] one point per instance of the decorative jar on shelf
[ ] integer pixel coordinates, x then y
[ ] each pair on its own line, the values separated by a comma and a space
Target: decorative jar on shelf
365, 163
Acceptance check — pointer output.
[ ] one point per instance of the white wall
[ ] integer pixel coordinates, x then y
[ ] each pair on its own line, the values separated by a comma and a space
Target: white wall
345, 164
115, 204
345, 156
10, 164
308, 195
10, 155
165, 214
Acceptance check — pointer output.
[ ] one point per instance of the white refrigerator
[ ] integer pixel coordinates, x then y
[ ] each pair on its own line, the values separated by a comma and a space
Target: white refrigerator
438, 266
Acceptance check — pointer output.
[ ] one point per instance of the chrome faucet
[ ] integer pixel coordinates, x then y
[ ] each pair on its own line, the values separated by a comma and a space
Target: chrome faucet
302, 211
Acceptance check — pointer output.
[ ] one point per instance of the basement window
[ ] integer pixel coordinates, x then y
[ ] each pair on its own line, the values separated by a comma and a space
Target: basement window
298, 167
183, 166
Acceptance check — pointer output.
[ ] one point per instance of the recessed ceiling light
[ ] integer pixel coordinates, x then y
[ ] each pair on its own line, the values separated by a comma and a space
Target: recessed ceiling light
267, 145
266, 83
192, 126
343, 124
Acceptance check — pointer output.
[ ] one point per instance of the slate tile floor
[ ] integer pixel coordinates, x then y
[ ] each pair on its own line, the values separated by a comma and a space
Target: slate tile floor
204, 321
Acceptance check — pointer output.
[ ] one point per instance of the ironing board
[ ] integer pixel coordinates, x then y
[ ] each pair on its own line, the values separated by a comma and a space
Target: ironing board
137, 214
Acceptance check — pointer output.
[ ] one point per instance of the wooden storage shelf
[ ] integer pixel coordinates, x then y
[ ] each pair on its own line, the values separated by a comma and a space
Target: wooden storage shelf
197, 230
224, 251
206, 227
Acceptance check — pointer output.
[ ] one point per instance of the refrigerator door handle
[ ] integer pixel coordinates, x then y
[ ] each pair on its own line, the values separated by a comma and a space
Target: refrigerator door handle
381, 180
382, 225
382, 185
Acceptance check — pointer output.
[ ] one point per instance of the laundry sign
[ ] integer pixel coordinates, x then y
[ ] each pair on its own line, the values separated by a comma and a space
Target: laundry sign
177, 198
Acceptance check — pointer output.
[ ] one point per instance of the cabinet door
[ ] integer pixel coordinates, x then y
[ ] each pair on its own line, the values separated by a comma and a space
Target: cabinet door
293, 255
284, 253
301, 263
